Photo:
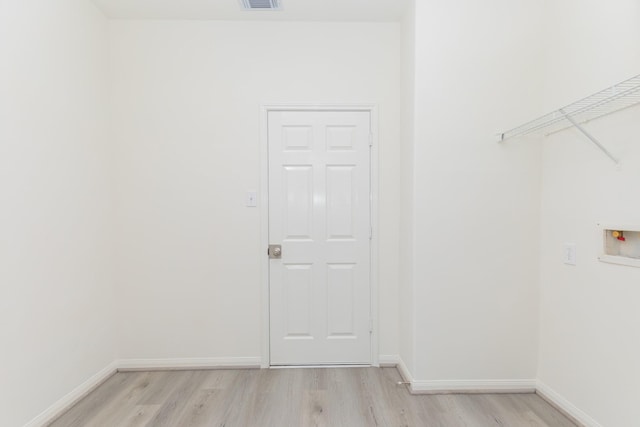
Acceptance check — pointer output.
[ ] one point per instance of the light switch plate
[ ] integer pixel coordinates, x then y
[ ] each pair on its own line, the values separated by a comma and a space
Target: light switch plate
570, 253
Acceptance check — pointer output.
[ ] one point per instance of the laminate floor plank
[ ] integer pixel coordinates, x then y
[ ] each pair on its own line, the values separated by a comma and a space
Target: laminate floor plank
163, 385
404, 409
539, 406
210, 405
174, 407
239, 409
84, 411
136, 416
313, 397
124, 405
439, 410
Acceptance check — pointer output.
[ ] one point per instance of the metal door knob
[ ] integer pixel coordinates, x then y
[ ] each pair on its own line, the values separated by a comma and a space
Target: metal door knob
275, 251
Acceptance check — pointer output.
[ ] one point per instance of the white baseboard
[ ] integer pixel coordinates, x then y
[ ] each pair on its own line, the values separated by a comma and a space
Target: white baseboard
473, 386
576, 415
125, 365
405, 373
563, 405
388, 361
462, 386
73, 397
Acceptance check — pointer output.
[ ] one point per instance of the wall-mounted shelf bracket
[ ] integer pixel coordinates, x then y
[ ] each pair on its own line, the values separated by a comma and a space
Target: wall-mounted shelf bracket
588, 135
615, 98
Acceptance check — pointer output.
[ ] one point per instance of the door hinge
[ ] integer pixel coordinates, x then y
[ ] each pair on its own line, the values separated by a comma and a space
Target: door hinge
370, 325
370, 140
370, 233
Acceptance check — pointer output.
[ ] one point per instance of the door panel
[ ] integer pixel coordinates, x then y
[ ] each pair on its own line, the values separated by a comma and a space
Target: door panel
298, 192
341, 202
319, 211
340, 300
297, 287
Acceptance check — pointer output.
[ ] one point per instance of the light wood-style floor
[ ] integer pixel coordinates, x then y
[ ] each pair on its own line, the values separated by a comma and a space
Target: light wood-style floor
349, 397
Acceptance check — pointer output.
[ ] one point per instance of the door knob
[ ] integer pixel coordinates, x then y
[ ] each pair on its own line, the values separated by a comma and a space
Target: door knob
275, 251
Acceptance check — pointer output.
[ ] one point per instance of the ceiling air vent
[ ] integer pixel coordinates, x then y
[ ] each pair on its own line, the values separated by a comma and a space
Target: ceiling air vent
261, 4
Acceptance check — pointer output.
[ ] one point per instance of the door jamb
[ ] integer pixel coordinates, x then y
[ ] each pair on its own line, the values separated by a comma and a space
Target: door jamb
264, 218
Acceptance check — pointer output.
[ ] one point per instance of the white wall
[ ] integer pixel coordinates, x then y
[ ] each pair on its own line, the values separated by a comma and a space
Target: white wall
589, 348
476, 201
56, 300
407, 303
186, 101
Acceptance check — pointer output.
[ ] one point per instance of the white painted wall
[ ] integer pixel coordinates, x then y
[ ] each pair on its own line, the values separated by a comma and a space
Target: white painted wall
589, 317
56, 299
476, 201
407, 303
186, 102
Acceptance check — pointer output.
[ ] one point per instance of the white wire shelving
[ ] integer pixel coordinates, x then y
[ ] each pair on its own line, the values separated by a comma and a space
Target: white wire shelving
615, 98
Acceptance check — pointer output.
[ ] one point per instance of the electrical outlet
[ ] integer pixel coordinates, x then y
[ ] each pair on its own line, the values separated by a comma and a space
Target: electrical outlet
252, 199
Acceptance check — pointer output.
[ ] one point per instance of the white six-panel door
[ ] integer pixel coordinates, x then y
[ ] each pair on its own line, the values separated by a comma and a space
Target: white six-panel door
319, 211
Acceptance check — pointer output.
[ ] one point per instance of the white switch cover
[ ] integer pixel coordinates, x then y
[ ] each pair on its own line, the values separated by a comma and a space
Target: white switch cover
570, 253
252, 199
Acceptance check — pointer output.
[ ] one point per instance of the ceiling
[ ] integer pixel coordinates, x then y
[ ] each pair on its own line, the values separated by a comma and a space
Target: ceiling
230, 10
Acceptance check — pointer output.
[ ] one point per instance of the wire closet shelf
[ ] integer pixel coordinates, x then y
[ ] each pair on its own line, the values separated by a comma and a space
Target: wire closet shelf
610, 100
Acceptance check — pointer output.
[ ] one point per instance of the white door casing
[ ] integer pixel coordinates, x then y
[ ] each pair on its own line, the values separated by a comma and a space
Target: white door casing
320, 212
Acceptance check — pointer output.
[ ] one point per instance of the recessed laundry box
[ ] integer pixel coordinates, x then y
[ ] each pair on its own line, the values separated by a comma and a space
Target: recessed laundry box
621, 245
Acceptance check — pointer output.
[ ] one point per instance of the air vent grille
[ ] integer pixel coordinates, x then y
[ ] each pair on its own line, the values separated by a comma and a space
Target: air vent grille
261, 4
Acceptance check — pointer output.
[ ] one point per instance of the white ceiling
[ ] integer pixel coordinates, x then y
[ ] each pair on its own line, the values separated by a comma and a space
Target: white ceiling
293, 10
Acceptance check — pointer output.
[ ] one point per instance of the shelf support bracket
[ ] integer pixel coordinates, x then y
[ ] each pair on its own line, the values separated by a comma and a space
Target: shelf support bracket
588, 135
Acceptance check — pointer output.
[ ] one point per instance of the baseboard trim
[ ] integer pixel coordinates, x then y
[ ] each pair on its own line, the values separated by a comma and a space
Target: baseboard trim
63, 405
576, 415
473, 386
405, 373
460, 386
567, 408
129, 365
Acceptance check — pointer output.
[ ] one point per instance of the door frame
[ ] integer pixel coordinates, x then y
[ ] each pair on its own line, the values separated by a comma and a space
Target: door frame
264, 218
